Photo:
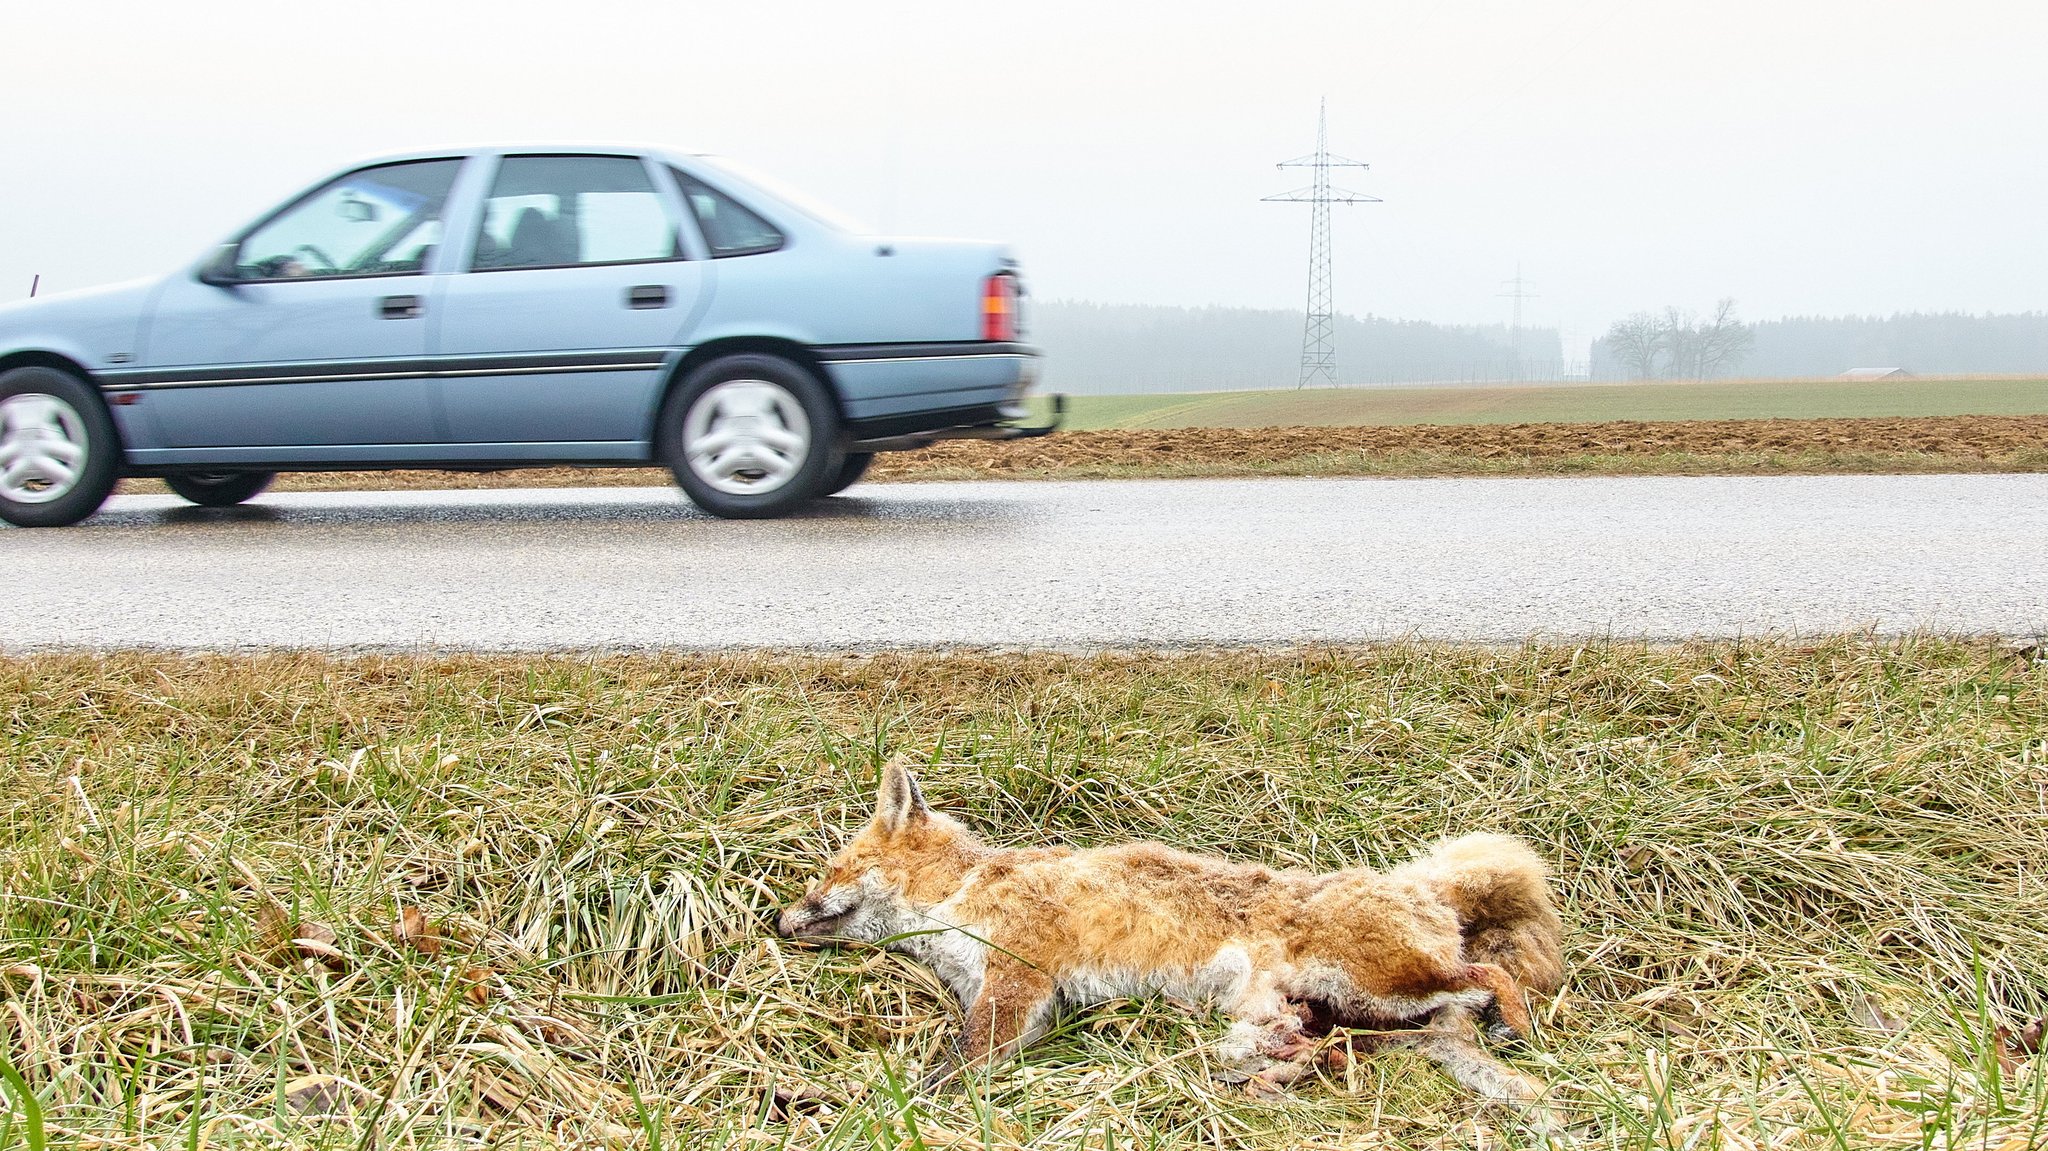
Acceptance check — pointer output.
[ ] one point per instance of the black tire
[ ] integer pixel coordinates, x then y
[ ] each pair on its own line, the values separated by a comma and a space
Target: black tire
39, 408
850, 472
752, 396
219, 489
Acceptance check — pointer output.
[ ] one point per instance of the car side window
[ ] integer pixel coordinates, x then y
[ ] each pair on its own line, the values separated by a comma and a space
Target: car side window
563, 211
379, 221
730, 227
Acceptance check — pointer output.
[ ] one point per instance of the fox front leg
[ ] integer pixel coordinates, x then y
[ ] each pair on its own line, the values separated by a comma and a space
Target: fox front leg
1012, 1012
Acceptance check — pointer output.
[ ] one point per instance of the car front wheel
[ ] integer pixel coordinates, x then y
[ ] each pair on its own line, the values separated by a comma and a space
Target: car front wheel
219, 489
59, 456
750, 436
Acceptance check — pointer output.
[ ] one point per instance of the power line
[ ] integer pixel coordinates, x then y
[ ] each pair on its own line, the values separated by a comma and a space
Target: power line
1318, 344
1521, 292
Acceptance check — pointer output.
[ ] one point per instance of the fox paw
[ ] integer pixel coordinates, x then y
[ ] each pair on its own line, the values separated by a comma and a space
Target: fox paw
1257, 1074
1495, 1028
1274, 1079
1292, 1050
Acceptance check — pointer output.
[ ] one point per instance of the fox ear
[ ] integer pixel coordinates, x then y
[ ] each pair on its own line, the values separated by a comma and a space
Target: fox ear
899, 803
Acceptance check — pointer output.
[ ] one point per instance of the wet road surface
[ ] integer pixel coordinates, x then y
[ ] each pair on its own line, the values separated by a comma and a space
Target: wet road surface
1172, 563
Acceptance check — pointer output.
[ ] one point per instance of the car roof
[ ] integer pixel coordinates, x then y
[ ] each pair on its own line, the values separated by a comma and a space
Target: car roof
555, 147
789, 198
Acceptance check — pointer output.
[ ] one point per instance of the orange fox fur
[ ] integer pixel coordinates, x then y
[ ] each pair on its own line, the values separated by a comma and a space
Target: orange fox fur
1019, 934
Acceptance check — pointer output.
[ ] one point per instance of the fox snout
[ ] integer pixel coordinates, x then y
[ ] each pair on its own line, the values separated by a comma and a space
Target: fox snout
817, 915
796, 919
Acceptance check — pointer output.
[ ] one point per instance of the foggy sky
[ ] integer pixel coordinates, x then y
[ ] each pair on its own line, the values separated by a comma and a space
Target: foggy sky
1803, 156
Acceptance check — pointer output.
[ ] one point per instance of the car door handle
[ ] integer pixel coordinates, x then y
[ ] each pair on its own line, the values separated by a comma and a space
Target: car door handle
647, 296
399, 307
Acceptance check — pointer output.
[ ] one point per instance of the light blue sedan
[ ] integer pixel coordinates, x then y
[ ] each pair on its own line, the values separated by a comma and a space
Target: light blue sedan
518, 307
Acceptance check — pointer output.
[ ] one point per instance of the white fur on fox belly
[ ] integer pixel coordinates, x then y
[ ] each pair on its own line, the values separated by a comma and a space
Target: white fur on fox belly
958, 954
1226, 977
1218, 981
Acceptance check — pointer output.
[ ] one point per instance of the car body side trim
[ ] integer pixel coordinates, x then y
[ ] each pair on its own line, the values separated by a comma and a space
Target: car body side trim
516, 364
928, 359
969, 349
379, 457
634, 360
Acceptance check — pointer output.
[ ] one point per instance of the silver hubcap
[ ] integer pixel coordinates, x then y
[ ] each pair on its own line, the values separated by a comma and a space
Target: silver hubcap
746, 437
42, 448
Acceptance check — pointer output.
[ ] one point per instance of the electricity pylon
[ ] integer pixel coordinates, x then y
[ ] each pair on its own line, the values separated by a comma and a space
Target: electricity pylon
1521, 292
1318, 347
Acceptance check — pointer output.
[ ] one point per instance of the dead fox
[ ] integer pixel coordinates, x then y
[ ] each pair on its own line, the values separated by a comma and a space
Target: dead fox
1019, 934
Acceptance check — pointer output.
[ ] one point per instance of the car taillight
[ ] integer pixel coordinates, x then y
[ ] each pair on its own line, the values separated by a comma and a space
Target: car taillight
999, 307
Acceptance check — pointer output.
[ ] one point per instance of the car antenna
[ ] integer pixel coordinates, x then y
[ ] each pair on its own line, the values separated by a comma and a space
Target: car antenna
34, 284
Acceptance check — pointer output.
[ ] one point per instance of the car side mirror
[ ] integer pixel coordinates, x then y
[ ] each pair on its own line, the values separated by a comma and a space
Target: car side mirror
219, 268
356, 211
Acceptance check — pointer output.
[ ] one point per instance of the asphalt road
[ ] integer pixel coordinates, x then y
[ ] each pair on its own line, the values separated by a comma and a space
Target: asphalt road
1074, 565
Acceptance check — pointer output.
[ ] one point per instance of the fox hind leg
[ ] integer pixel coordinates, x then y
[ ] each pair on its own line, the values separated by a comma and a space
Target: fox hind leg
1508, 1001
1265, 1048
1451, 1041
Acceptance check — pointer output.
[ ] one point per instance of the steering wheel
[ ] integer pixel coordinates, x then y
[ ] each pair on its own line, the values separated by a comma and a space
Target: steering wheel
319, 255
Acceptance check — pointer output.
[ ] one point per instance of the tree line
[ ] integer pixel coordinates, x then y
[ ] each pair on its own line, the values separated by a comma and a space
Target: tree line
1679, 345
1096, 349
1099, 349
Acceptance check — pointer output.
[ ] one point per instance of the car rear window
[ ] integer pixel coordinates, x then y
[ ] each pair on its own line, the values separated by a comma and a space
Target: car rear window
730, 227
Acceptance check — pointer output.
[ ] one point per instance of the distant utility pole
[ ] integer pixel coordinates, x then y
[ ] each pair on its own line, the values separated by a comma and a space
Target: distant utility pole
1521, 292
1318, 349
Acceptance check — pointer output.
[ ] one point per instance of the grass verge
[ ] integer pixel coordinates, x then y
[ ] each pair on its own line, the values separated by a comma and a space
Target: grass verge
1629, 447
409, 902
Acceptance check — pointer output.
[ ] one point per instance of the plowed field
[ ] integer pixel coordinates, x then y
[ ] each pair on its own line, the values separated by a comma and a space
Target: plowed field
1960, 440
1621, 447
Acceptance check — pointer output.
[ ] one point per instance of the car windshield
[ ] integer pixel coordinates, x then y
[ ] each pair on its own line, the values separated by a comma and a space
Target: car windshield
802, 201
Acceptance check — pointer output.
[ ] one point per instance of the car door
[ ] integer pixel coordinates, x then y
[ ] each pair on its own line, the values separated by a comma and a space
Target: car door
577, 289
311, 329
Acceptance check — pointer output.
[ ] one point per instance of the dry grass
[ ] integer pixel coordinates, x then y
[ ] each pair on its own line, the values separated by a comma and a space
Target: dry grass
409, 902
1625, 447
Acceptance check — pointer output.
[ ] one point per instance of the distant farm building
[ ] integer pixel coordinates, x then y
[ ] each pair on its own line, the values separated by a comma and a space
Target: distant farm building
1877, 374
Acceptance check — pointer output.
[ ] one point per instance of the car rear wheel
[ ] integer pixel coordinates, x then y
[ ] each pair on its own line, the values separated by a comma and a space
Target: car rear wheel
59, 456
219, 489
750, 436
850, 472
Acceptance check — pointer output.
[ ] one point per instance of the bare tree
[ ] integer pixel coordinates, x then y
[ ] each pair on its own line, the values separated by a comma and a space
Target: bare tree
1722, 342
1635, 342
1679, 336
1678, 345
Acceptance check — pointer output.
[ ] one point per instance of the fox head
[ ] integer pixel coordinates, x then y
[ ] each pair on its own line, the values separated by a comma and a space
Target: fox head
906, 860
